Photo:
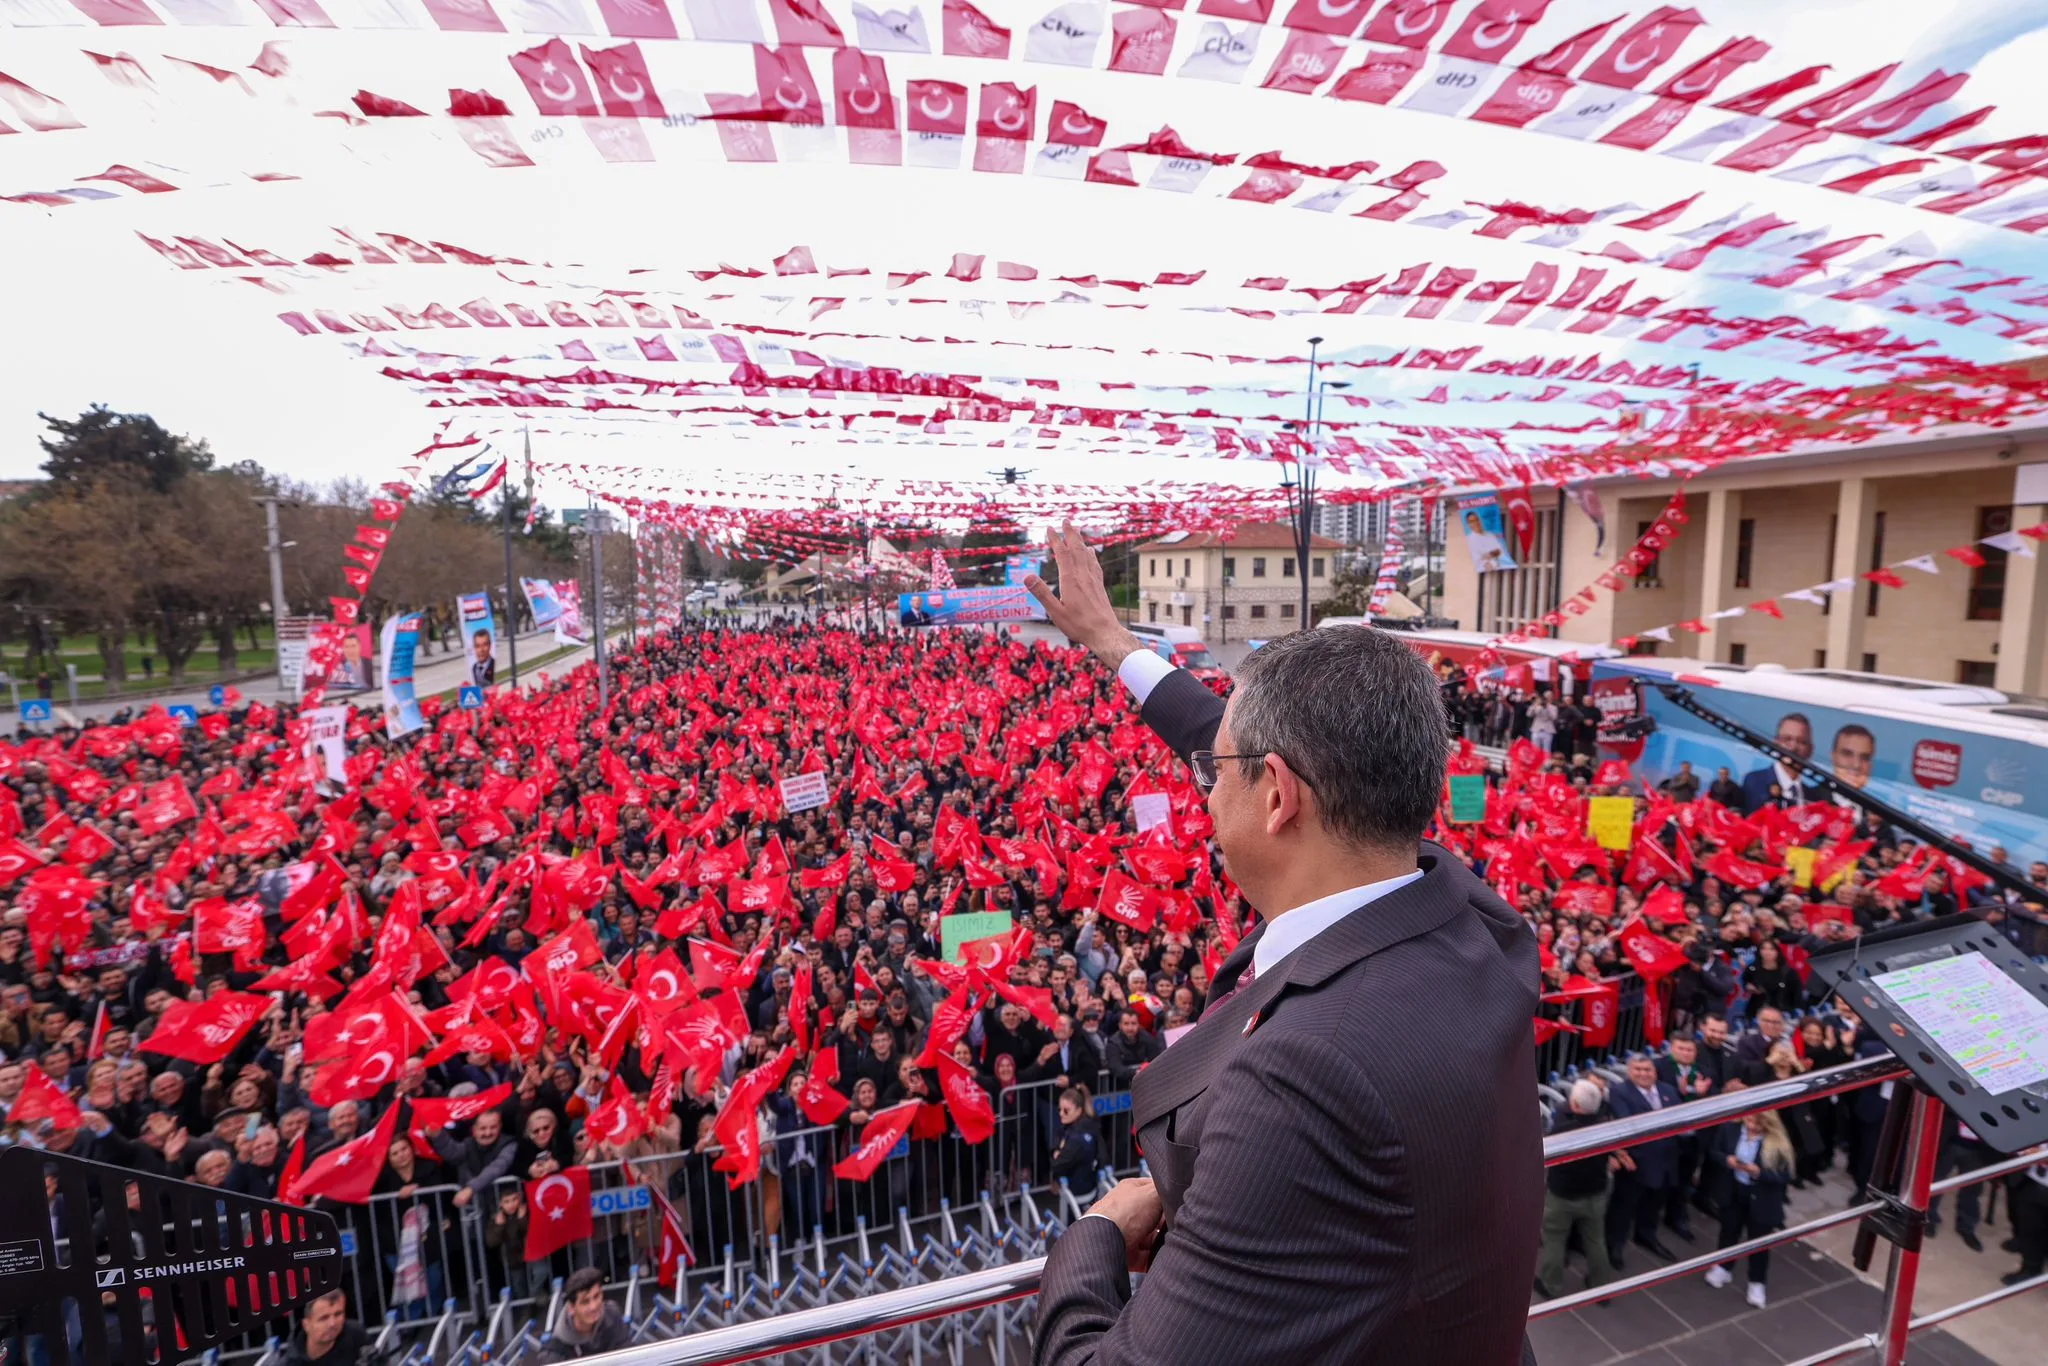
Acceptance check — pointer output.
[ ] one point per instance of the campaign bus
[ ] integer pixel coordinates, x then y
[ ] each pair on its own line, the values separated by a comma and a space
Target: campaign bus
1968, 761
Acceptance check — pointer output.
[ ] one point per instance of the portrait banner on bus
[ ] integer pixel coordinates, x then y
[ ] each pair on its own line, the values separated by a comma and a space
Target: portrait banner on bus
542, 601
1485, 532
479, 637
401, 703
1988, 789
964, 606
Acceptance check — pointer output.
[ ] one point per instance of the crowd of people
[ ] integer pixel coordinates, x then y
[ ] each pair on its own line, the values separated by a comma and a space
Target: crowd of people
551, 937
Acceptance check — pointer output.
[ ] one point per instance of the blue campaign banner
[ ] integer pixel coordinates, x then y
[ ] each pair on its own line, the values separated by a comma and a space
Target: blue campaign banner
348, 1242
902, 1148
401, 702
1018, 567
1987, 789
184, 715
469, 697
542, 600
620, 1200
961, 606
37, 709
217, 695
479, 637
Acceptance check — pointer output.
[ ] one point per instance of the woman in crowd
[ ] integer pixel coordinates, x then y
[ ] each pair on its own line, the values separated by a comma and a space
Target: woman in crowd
1756, 1152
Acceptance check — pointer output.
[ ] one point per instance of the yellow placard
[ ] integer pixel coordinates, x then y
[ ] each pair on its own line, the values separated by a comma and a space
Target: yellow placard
1611, 821
1800, 862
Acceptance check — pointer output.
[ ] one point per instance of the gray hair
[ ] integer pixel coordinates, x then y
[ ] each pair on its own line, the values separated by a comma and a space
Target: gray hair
1358, 716
1586, 1097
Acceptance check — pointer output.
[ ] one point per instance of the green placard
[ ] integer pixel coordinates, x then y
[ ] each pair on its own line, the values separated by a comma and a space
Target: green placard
955, 930
1468, 797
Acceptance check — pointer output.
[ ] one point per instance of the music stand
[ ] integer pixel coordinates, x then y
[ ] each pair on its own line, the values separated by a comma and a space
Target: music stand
138, 1269
1964, 1010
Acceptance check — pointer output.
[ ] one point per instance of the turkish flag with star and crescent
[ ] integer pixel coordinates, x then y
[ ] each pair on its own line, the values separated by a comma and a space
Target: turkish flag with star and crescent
560, 1211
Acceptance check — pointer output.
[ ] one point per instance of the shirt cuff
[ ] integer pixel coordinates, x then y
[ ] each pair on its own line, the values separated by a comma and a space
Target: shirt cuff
1140, 673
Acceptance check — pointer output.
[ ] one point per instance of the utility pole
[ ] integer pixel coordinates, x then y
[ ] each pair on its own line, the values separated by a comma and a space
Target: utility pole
511, 582
275, 547
596, 519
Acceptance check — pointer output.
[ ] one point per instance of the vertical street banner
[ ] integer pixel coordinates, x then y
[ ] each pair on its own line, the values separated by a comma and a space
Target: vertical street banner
400, 644
542, 601
479, 637
327, 746
1485, 536
569, 627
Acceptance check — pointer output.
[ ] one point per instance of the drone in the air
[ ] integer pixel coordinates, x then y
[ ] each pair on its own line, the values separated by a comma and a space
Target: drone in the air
1011, 474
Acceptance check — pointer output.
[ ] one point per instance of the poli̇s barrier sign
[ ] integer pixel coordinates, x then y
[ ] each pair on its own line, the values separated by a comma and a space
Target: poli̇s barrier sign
963, 606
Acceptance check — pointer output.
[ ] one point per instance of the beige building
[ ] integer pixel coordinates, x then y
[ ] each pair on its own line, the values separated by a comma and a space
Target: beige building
1763, 528
1244, 586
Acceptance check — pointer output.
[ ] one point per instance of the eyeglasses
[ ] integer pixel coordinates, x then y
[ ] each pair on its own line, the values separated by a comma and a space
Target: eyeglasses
1204, 761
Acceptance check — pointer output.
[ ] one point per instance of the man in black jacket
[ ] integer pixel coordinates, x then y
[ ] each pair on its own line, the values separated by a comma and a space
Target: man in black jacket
1317, 1194
1129, 1049
328, 1336
589, 1323
1575, 1198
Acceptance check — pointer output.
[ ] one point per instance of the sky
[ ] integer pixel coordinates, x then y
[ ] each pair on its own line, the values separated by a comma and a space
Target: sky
98, 318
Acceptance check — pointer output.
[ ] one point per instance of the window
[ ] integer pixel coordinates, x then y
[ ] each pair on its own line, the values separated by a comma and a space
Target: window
1987, 580
1230, 566
1151, 568
1258, 611
1258, 566
1315, 566
1876, 563
1187, 616
1827, 568
1738, 653
1151, 611
1745, 550
1287, 567
1187, 567
1869, 662
1287, 610
1977, 673
1820, 657
1651, 574
1229, 611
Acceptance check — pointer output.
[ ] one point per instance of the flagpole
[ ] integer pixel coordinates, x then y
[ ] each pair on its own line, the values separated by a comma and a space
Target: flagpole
511, 583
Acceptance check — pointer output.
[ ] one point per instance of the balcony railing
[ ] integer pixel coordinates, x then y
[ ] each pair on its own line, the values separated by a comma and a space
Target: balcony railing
979, 1290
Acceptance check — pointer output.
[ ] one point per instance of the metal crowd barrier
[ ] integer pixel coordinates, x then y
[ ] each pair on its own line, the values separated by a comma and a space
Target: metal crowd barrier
1000, 1285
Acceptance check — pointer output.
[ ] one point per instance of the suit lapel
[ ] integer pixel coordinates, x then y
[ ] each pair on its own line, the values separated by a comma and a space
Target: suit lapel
1184, 1070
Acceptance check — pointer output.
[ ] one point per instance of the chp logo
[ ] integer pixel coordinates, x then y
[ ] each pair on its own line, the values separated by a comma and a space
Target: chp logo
2006, 781
1937, 763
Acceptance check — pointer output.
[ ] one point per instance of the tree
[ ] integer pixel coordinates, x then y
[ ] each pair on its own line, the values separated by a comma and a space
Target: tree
100, 441
1350, 591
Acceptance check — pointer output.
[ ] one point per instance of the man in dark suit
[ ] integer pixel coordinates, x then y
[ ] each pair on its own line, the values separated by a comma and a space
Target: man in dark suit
1794, 735
1321, 1190
1642, 1186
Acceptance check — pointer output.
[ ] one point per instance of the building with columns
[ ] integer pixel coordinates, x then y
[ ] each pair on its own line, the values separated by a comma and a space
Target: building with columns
1762, 528
1240, 586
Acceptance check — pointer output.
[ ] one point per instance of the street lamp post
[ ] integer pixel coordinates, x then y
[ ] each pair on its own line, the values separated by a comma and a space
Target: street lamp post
1302, 490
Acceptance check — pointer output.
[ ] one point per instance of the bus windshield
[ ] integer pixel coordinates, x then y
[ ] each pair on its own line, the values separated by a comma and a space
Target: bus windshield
1196, 656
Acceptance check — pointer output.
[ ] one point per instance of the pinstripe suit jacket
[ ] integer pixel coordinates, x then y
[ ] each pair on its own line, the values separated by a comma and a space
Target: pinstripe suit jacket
1359, 1178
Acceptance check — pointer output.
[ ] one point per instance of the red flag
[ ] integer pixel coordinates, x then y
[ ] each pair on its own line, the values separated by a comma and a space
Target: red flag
623, 83
1520, 505
818, 1098
1665, 905
1654, 956
555, 81
1126, 901
347, 1174
40, 1099
1642, 47
288, 1177
883, 1132
206, 1031
1601, 1009
559, 1211
16, 859
966, 1100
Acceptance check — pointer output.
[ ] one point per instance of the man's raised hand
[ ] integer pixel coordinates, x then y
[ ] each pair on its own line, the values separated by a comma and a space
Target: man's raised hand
1081, 608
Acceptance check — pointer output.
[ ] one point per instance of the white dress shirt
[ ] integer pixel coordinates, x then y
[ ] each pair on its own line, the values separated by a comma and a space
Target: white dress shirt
1141, 671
